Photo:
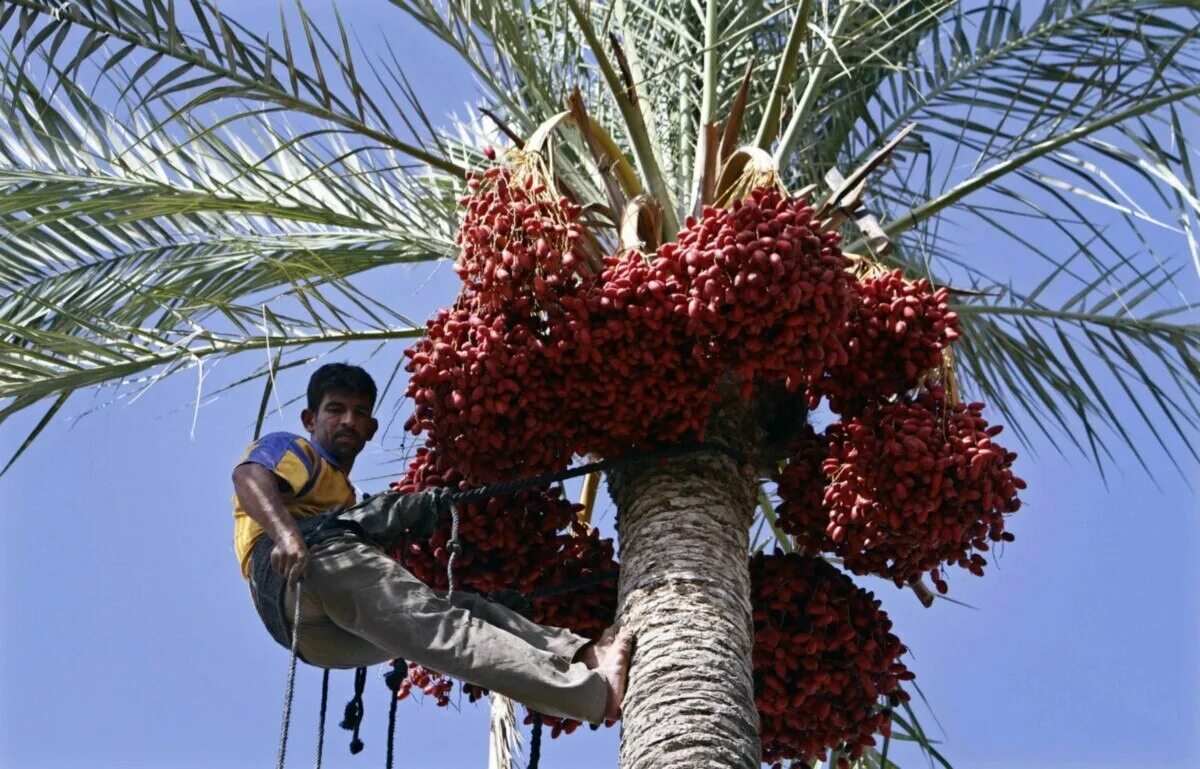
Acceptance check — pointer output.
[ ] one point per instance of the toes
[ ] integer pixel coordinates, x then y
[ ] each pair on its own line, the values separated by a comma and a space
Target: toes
607, 637
616, 673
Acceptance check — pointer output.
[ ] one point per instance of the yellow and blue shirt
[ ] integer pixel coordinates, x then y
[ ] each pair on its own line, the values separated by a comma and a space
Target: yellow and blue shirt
311, 481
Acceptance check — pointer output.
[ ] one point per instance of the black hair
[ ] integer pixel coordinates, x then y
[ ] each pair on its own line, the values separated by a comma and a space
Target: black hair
342, 377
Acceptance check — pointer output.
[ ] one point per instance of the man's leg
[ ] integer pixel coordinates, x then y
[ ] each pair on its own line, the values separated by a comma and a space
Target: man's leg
384, 525
323, 642
365, 592
556, 640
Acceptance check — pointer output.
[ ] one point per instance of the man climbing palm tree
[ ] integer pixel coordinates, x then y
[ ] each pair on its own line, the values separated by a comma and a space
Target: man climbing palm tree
359, 607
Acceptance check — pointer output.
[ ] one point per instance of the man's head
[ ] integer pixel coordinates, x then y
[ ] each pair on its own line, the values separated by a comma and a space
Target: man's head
340, 401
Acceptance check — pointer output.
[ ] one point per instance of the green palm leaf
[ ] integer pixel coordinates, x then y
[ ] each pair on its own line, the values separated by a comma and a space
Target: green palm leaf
140, 221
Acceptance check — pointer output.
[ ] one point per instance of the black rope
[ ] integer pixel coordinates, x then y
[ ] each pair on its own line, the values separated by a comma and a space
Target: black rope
393, 679
522, 603
535, 741
512, 599
321, 720
354, 711
455, 498
661, 454
567, 587
664, 453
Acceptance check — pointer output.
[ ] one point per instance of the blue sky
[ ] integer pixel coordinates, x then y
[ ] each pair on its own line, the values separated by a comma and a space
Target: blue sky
127, 638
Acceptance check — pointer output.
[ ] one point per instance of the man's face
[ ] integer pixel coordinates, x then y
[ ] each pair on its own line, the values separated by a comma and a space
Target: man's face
342, 424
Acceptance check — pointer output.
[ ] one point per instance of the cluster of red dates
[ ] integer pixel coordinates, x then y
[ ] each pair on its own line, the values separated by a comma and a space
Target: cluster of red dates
549, 353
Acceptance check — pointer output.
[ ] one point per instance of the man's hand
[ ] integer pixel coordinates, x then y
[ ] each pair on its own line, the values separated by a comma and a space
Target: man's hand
289, 557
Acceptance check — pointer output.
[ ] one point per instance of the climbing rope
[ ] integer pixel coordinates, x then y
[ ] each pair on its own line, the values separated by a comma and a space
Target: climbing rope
321, 719
644, 457
291, 684
393, 680
454, 546
455, 498
535, 741
354, 708
570, 586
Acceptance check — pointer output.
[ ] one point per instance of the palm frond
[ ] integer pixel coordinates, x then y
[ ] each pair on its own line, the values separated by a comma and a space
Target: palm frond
156, 215
1072, 121
37, 363
224, 62
133, 243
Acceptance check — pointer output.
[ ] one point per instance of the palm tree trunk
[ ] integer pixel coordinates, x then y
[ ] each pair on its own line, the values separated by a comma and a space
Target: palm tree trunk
685, 587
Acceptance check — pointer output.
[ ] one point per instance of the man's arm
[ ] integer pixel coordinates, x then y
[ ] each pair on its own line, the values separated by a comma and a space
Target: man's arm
258, 490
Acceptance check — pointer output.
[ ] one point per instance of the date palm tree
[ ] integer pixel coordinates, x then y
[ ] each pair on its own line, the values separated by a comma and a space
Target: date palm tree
178, 188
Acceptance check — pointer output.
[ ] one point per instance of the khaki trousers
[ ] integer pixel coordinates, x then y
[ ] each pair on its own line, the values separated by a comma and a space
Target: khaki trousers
360, 608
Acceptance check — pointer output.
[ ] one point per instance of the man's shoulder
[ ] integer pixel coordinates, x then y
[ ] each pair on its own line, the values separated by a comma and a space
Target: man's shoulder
269, 449
282, 439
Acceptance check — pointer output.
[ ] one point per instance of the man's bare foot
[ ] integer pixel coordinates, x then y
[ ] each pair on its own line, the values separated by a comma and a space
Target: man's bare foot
614, 666
591, 654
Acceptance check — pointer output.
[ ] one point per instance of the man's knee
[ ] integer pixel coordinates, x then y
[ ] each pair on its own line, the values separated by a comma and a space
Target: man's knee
328, 646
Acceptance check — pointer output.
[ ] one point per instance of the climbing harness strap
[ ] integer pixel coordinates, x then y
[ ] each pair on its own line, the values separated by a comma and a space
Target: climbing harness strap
268, 587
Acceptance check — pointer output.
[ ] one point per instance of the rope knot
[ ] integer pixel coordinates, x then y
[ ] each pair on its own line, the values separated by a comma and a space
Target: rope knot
394, 677
354, 710
352, 715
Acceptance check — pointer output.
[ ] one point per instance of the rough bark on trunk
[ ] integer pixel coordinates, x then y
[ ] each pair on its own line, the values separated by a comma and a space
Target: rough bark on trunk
685, 586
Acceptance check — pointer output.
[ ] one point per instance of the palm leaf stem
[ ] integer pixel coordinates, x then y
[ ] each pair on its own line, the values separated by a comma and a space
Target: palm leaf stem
708, 99
768, 512
782, 87
634, 123
914, 216
812, 89
974, 65
1183, 331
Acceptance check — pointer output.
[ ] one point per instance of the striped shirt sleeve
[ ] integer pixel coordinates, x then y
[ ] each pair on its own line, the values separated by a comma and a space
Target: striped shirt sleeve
286, 456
